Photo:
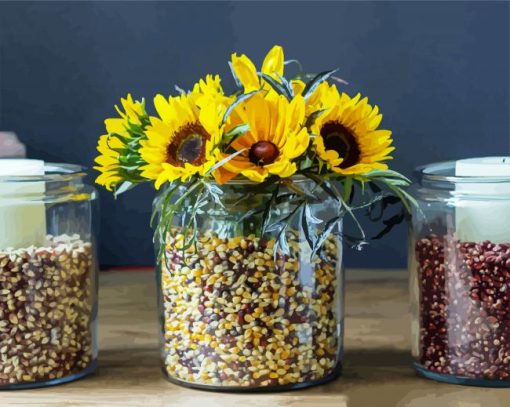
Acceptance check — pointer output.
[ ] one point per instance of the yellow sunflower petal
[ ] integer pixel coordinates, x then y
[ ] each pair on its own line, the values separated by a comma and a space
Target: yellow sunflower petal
245, 72
273, 62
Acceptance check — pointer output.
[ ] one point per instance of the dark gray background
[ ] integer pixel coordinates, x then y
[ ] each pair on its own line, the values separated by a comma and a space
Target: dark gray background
439, 71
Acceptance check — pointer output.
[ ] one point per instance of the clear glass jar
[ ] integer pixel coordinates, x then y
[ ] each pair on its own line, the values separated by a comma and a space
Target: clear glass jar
460, 276
233, 317
48, 278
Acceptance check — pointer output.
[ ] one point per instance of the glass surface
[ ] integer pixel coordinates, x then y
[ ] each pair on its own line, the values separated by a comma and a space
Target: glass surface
460, 277
48, 278
235, 318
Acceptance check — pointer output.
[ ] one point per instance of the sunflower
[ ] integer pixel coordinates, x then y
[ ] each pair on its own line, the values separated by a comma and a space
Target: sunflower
324, 96
347, 137
182, 141
245, 72
275, 137
118, 132
209, 90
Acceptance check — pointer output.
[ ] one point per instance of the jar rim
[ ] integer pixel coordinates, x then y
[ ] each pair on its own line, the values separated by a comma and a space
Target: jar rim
52, 172
443, 173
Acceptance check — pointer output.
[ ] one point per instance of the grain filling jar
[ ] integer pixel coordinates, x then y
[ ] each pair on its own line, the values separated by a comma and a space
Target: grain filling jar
48, 274
460, 272
236, 313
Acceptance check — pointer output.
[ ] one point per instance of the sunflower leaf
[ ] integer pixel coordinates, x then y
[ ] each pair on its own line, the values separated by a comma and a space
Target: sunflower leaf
239, 99
328, 229
391, 223
273, 227
348, 189
287, 84
215, 192
387, 174
285, 198
377, 207
316, 81
307, 231
279, 88
306, 163
267, 208
237, 131
124, 186
294, 61
282, 241
310, 216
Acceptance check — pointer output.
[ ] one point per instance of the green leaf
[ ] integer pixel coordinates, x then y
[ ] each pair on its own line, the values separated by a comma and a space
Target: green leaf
294, 61
237, 131
267, 209
124, 186
347, 184
390, 224
310, 216
282, 241
387, 174
306, 163
307, 230
277, 86
378, 205
316, 81
328, 229
286, 84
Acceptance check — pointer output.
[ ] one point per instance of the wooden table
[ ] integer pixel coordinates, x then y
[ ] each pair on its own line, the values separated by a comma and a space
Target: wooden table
377, 370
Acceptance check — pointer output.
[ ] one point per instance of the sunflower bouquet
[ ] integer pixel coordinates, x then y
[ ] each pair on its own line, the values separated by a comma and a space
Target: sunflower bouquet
253, 188
272, 132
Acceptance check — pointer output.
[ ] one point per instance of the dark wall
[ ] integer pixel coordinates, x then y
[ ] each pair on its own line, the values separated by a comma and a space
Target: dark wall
439, 71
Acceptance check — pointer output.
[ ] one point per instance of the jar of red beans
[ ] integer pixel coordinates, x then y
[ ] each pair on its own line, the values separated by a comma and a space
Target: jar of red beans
460, 272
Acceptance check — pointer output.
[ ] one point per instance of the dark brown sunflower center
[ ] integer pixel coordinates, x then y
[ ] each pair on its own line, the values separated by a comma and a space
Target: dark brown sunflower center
188, 146
340, 139
263, 153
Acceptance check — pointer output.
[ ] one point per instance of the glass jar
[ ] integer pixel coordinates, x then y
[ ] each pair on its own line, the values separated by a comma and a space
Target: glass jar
460, 274
48, 277
239, 314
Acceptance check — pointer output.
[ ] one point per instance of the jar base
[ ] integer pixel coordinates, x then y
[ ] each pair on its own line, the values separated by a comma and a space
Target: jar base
337, 372
52, 382
462, 380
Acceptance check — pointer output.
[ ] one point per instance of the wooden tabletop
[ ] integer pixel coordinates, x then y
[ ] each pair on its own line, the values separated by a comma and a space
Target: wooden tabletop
377, 369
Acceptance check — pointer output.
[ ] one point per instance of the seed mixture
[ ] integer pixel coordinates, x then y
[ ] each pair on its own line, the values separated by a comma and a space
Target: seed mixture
234, 317
464, 307
46, 298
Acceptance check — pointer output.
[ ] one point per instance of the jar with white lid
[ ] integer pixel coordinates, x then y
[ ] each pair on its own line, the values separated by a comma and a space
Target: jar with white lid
48, 274
460, 272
